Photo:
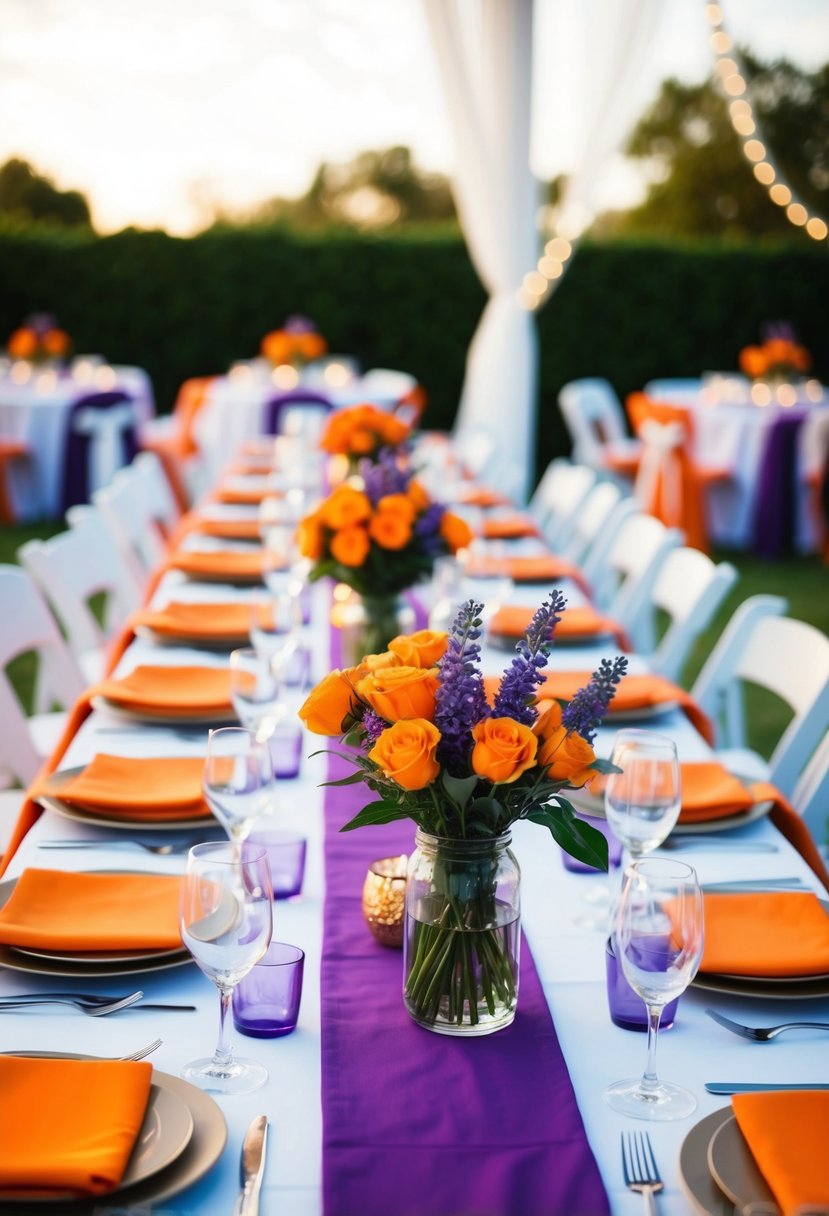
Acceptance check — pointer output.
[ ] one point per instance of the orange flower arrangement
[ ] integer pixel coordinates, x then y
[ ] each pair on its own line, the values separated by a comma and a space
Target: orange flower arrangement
361, 431
296, 343
777, 357
36, 344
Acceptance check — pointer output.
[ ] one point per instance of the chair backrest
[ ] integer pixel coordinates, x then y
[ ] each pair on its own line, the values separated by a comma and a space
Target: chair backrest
789, 658
594, 416
558, 498
148, 471
689, 588
600, 517
633, 565
28, 625
73, 567
131, 518
386, 387
811, 793
684, 390
97, 445
277, 408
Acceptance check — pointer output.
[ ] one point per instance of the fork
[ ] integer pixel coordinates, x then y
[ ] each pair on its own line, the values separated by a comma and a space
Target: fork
143, 1051
639, 1168
160, 850
762, 1034
92, 1009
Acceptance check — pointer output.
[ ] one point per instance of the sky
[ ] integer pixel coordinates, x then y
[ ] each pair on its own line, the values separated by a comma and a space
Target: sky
162, 109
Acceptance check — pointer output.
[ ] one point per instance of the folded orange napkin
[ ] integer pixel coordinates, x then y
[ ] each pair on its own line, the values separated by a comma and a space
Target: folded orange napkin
228, 529
482, 496
633, 692
765, 933
207, 622
68, 1125
77, 912
158, 787
511, 528
788, 1134
246, 565
170, 691
585, 621
243, 495
544, 569
709, 791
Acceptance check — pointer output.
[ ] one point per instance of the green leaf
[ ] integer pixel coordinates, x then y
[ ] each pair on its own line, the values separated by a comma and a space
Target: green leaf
605, 766
375, 813
353, 779
488, 808
574, 835
459, 789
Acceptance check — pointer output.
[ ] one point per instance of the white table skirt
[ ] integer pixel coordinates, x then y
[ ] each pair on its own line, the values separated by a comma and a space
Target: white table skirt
569, 958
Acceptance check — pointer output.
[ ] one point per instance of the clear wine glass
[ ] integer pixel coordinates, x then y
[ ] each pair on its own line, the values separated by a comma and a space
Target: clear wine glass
643, 800
226, 919
273, 630
657, 938
238, 779
256, 692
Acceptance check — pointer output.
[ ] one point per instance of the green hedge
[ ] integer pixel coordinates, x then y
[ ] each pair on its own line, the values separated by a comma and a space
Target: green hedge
627, 311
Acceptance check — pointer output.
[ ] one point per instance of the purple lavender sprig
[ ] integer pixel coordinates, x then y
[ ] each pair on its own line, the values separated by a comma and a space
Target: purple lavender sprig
587, 708
522, 677
460, 702
384, 475
373, 725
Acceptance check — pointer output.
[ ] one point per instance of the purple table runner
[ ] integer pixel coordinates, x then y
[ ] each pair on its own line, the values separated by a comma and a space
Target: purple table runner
775, 517
420, 1124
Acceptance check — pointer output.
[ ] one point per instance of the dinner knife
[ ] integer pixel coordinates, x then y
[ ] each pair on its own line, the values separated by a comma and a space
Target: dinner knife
756, 884
738, 1087
252, 1167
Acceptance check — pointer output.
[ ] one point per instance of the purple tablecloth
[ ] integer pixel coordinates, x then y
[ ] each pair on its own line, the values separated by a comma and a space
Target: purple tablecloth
419, 1124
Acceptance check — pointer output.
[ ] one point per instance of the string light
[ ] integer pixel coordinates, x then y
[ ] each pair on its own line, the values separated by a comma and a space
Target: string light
744, 122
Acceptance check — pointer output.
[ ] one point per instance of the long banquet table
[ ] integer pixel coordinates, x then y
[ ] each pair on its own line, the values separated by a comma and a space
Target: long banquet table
569, 959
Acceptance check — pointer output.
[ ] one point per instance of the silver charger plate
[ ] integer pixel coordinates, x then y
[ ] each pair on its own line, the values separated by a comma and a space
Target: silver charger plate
81, 814
694, 1174
212, 717
733, 1167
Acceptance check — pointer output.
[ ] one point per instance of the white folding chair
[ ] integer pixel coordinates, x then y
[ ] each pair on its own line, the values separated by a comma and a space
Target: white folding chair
595, 528
689, 588
596, 422
149, 472
811, 793
70, 570
789, 658
28, 625
134, 519
558, 498
625, 586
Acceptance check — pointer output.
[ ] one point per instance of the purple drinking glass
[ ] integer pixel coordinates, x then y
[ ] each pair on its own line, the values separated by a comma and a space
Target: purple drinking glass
627, 1009
266, 1000
286, 859
285, 743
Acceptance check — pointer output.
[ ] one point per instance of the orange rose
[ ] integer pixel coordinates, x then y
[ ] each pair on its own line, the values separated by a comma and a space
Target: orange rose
399, 504
401, 692
362, 441
310, 537
276, 346
504, 749
345, 507
350, 546
565, 754
376, 662
418, 495
753, 361
801, 358
55, 342
406, 752
392, 430
455, 531
390, 530
329, 704
22, 343
421, 649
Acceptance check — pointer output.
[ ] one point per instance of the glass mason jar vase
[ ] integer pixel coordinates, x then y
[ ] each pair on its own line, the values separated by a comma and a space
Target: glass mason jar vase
369, 622
461, 945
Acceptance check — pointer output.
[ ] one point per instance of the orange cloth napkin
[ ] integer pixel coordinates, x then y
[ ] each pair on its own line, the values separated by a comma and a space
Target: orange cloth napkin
544, 569
228, 529
788, 1134
207, 622
510, 528
482, 496
710, 792
243, 496
585, 621
230, 565
765, 933
633, 692
77, 912
170, 691
69, 1125
161, 787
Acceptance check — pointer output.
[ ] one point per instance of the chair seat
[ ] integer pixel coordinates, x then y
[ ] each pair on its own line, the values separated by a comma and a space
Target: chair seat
743, 762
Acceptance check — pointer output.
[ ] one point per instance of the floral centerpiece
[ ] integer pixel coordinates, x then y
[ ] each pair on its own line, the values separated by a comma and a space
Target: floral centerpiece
432, 749
362, 432
39, 340
297, 343
779, 357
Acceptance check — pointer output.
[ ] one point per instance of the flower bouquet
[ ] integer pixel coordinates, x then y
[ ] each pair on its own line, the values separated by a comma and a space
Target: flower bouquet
362, 432
297, 343
432, 748
779, 357
39, 340
379, 540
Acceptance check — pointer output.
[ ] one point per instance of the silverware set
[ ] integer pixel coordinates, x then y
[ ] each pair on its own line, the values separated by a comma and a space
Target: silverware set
93, 1006
639, 1168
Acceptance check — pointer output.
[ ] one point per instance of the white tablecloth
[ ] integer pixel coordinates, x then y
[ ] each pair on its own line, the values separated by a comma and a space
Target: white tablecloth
38, 413
569, 958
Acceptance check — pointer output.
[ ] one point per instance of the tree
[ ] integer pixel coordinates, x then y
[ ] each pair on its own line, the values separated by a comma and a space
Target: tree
31, 196
704, 185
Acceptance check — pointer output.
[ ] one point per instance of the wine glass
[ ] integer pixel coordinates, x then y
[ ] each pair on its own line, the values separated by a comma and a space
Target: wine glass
657, 938
226, 921
643, 800
238, 779
256, 692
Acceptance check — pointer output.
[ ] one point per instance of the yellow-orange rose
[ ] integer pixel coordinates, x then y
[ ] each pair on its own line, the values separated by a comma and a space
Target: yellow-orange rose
406, 752
362, 441
329, 704
504, 749
390, 530
401, 692
455, 531
22, 343
421, 649
345, 507
310, 537
350, 546
376, 662
398, 504
565, 754
418, 495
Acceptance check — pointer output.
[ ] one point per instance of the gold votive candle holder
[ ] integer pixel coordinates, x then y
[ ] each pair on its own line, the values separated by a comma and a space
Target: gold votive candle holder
384, 898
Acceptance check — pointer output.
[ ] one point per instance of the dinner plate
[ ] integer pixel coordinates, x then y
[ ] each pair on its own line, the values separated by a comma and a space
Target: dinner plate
593, 804
202, 1150
694, 1173
87, 966
101, 819
94, 956
228, 641
733, 1168
209, 717
800, 989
